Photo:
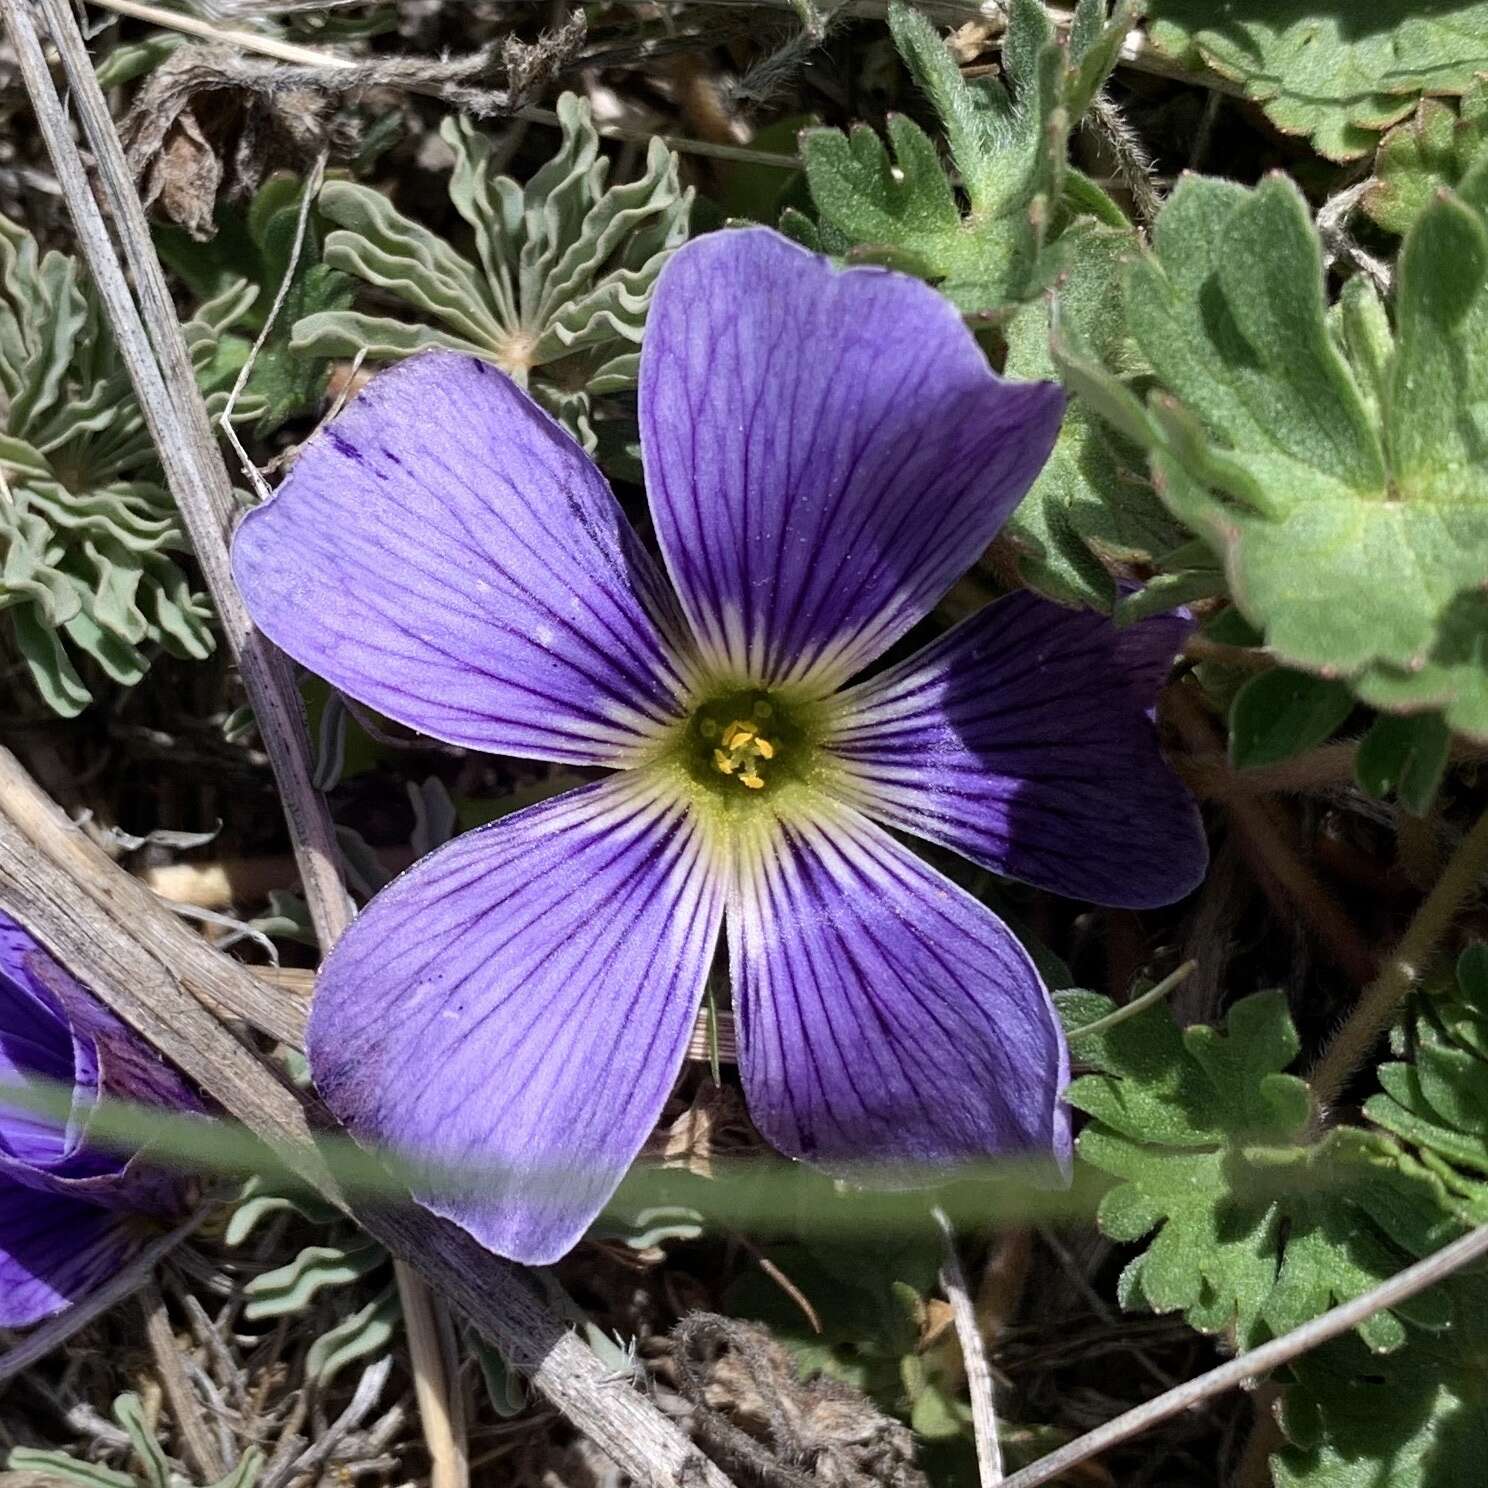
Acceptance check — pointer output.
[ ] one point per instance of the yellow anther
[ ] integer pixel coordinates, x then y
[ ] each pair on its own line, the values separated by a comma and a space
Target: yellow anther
741, 753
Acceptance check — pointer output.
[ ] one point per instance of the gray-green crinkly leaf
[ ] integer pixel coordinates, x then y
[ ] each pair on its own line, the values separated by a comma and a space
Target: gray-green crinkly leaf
155, 1467
563, 275
1008, 143
1337, 464
88, 532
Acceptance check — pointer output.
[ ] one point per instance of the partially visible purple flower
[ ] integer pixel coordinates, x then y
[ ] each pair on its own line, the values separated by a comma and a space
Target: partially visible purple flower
71, 1212
826, 451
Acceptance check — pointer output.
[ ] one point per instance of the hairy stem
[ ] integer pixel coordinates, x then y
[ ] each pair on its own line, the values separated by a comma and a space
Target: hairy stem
1376, 1009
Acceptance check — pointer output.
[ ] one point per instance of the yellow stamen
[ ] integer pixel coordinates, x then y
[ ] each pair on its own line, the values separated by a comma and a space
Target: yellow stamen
742, 750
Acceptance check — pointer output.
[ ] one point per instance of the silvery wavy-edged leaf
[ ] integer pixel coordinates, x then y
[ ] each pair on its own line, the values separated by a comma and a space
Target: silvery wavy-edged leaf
564, 272
88, 532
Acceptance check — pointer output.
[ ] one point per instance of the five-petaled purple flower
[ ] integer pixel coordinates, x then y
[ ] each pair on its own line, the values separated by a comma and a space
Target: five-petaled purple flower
826, 451
71, 1212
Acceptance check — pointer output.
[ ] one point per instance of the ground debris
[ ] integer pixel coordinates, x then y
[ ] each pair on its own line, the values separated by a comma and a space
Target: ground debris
754, 1409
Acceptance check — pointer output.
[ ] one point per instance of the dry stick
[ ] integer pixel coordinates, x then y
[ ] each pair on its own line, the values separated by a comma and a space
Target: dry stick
136, 1273
1332, 1324
195, 473
1266, 847
141, 961
1381, 999
160, 368
201, 1450
973, 1356
305, 56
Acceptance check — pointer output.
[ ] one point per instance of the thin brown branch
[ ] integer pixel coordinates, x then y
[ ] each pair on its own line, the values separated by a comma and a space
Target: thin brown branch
196, 1440
1381, 999
1267, 847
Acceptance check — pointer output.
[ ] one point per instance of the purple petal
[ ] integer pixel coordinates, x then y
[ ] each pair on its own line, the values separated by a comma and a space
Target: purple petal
447, 554
54, 1250
826, 452
35, 1042
1023, 738
885, 1017
519, 1003
53, 1029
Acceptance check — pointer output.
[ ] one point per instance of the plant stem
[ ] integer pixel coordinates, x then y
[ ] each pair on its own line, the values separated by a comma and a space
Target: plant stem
1381, 999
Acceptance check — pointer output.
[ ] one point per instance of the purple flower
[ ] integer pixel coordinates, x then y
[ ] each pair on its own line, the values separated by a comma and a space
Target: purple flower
826, 452
71, 1212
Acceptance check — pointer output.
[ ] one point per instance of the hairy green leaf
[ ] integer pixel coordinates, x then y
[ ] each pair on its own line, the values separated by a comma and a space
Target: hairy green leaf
1404, 757
1434, 148
1338, 470
565, 268
1281, 713
1254, 1223
369, 1330
1007, 140
1415, 1419
1437, 1097
254, 247
293, 1287
1091, 501
1337, 73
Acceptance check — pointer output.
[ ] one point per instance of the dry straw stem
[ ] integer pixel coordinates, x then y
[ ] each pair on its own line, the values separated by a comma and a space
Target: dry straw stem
973, 1356
201, 1450
141, 961
1462, 1252
155, 353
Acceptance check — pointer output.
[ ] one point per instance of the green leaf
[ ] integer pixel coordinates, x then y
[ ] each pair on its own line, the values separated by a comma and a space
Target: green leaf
1336, 470
293, 1287
1252, 1224
1404, 757
1414, 1419
1280, 713
1008, 140
369, 1330
88, 533
245, 1474
1091, 502
129, 1412
1434, 148
1438, 1099
66, 1467
566, 266
1336, 73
